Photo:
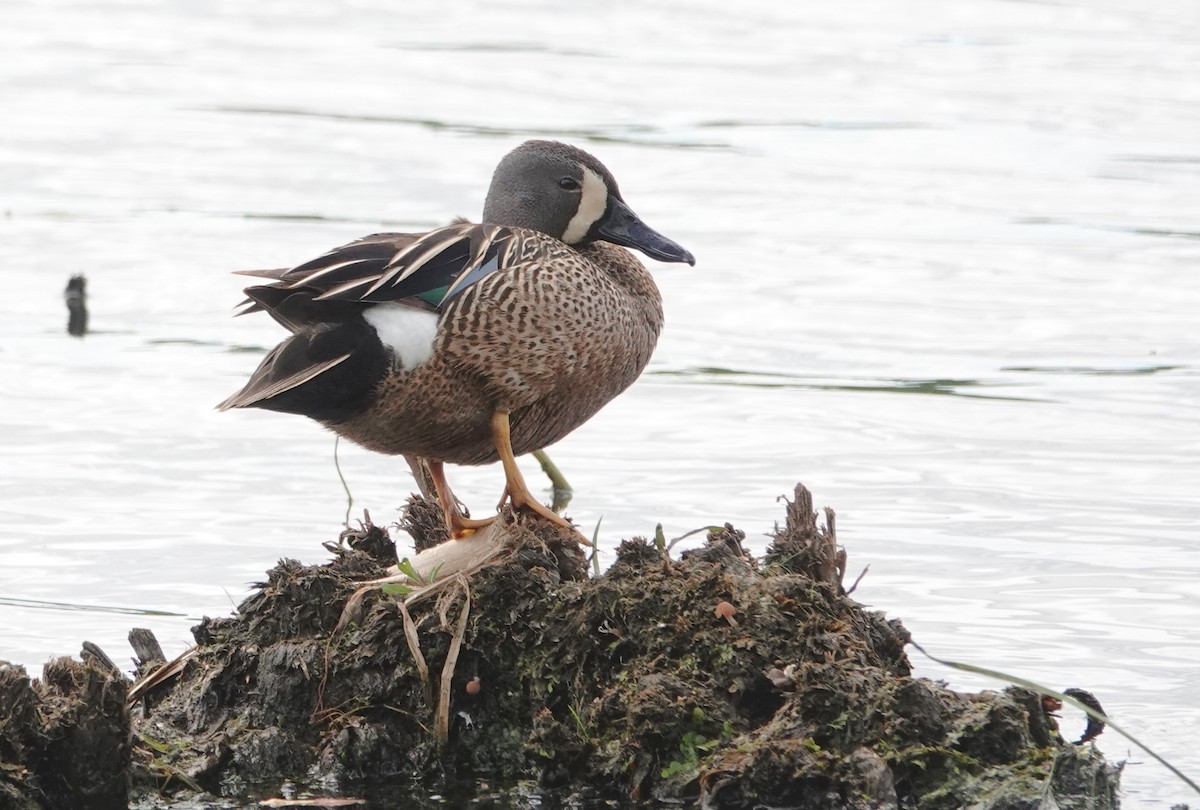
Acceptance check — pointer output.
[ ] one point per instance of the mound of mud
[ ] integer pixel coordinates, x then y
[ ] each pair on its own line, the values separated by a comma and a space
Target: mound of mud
714, 677
64, 739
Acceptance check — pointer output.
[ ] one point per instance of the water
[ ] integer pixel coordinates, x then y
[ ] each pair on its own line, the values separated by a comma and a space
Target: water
946, 277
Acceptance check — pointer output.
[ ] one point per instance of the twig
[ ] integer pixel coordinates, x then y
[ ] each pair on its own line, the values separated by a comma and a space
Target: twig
414, 646
161, 675
858, 580
91, 653
443, 711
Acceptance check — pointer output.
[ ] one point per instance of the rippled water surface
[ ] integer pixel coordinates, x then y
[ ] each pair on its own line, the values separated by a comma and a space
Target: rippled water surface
948, 276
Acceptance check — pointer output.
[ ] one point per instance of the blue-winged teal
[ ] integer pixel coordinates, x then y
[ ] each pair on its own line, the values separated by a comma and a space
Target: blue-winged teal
472, 343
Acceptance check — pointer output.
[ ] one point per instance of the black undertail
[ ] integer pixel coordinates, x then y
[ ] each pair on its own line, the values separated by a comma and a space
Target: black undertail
336, 394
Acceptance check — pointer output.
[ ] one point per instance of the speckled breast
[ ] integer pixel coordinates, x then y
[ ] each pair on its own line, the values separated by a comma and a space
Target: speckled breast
550, 339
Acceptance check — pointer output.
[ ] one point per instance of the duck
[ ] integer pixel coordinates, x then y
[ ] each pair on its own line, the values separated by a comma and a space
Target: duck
474, 342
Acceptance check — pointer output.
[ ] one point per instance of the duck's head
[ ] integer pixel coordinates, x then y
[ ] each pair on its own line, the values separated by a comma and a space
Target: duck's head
563, 191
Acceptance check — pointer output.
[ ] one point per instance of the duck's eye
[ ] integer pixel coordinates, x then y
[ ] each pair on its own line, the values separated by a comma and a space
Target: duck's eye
569, 183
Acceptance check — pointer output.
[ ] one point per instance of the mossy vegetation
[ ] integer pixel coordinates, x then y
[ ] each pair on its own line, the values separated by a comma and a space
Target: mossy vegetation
634, 685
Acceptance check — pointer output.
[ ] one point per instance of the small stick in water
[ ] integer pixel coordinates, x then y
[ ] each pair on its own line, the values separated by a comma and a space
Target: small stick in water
76, 298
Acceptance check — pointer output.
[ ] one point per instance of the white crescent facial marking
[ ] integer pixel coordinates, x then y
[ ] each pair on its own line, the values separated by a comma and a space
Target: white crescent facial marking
407, 331
593, 200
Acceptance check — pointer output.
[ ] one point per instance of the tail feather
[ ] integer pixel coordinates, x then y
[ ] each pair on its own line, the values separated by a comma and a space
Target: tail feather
262, 386
328, 373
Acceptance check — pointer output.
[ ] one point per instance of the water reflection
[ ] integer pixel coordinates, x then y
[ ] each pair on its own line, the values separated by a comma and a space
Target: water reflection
1091, 371
633, 134
813, 124
713, 375
42, 604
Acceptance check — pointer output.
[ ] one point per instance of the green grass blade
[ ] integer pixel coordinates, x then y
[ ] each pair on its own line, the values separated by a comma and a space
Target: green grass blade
595, 555
1044, 690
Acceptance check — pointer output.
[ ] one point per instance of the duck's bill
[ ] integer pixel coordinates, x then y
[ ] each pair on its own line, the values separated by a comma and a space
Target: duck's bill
623, 227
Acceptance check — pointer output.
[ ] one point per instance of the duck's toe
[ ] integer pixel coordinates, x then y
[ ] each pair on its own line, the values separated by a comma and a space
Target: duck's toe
461, 527
524, 499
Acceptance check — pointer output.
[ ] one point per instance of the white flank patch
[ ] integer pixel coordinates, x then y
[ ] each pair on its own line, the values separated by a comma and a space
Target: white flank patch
407, 331
592, 202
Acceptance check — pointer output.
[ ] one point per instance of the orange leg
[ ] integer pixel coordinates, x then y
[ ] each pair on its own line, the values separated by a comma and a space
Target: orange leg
515, 488
459, 526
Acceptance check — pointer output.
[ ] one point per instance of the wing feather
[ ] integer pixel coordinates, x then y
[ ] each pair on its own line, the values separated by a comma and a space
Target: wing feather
408, 262
322, 302
335, 272
492, 253
427, 270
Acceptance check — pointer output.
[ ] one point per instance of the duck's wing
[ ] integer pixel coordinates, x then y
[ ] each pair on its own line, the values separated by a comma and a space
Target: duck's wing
426, 271
291, 302
327, 369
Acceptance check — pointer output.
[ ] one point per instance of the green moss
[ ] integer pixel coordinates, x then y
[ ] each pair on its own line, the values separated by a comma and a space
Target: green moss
627, 683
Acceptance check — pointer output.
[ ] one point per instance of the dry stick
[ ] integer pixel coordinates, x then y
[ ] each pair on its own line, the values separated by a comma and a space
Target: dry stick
145, 647
93, 654
443, 710
860, 578
425, 563
163, 673
446, 558
414, 646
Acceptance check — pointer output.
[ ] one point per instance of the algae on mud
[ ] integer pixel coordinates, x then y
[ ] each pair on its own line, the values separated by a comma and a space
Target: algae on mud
627, 685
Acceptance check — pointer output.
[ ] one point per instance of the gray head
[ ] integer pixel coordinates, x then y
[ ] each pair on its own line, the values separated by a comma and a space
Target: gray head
566, 193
